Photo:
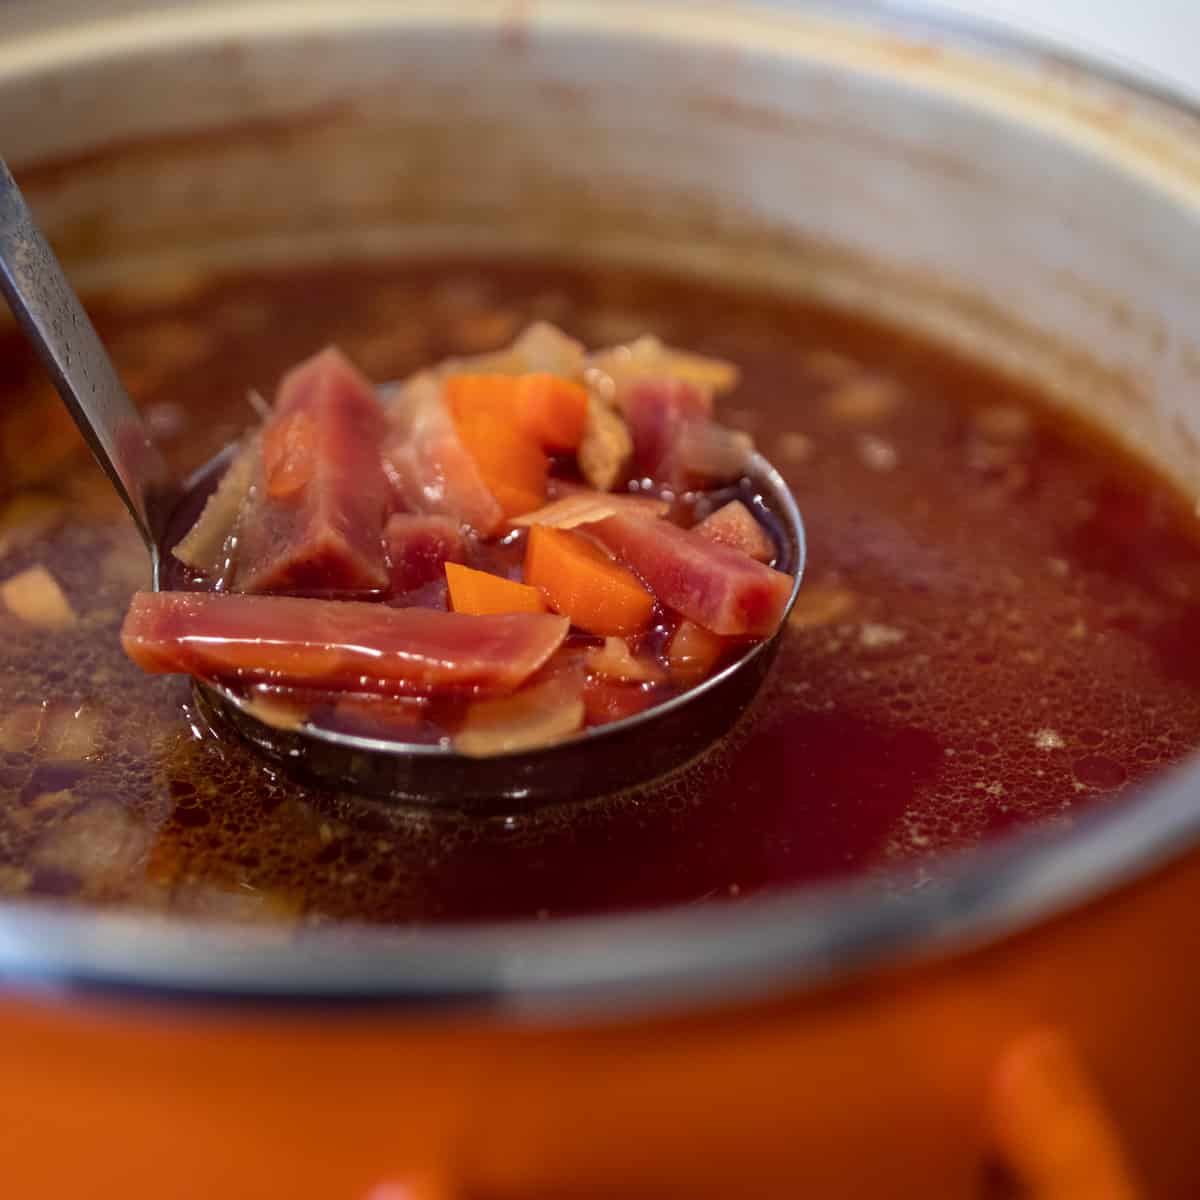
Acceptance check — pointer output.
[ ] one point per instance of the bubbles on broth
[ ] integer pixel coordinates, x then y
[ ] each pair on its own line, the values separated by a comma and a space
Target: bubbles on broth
994, 631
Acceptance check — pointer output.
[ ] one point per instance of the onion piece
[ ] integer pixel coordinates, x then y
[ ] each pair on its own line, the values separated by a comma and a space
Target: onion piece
100, 843
706, 453
20, 727
614, 660
34, 596
278, 708
584, 507
693, 652
606, 447
541, 347
203, 547
71, 732
613, 369
535, 716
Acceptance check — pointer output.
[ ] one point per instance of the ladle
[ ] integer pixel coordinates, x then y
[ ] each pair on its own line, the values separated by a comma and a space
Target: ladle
604, 759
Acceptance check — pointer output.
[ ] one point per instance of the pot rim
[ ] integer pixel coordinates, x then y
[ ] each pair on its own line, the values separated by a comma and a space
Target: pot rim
606, 967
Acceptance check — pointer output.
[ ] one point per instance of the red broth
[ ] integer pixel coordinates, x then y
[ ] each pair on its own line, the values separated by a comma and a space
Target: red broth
997, 627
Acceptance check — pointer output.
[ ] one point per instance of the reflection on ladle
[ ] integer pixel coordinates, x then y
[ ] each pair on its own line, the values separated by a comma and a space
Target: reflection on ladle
602, 759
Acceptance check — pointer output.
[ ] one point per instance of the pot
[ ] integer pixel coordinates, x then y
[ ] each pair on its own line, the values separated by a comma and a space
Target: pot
834, 1041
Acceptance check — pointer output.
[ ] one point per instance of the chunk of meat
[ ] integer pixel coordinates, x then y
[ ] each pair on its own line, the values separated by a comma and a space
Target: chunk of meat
419, 547
734, 525
313, 523
722, 589
335, 645
428, 465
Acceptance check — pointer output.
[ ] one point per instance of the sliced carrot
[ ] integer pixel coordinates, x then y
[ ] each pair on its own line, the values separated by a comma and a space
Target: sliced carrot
692, 653
580, 581
468, 394
548, 408
552, 410
510, 462
484, 595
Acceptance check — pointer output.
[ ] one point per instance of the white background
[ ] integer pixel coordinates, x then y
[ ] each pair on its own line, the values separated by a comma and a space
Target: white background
1159, 37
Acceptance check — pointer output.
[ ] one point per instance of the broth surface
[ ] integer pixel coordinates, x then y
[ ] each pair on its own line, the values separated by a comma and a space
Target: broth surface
996, 627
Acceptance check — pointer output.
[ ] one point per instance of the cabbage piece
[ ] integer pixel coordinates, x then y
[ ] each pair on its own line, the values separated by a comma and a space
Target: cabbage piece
582, 506
613, 370
536, 716
207, 546
430, 470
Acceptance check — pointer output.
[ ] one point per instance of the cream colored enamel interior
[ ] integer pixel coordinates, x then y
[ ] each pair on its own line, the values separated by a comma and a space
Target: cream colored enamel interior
1048, 222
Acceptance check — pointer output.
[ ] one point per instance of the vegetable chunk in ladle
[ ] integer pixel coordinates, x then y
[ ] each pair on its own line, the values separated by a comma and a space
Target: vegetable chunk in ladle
416, 591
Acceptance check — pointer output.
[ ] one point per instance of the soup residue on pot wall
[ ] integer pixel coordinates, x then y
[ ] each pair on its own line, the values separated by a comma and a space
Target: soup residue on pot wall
995, 629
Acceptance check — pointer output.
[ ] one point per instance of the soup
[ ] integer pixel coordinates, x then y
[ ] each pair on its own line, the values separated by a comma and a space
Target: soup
491, 556
994, 630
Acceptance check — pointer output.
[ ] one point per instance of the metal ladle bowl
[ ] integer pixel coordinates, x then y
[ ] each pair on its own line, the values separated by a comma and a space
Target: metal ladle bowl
600, 760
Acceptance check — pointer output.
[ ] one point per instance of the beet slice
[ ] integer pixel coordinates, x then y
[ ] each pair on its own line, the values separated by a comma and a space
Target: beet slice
656, 411
336, 645
675, 439
735, 526
724, 590
419, 547
313, 523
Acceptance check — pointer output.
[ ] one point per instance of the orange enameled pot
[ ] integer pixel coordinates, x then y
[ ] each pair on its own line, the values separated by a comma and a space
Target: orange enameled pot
832, 1042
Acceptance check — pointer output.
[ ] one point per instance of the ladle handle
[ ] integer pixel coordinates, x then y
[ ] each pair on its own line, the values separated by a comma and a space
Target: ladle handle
57, 326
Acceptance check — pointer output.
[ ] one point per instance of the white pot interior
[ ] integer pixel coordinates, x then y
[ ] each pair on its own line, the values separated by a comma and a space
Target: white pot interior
1048, 221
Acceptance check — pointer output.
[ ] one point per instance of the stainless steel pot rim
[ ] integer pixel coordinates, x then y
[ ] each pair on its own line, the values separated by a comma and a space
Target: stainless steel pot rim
597, 968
